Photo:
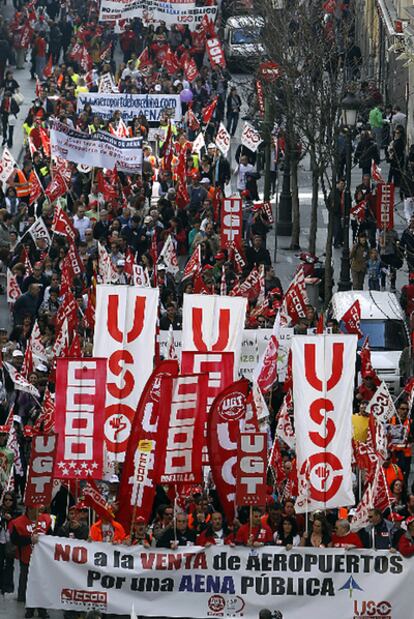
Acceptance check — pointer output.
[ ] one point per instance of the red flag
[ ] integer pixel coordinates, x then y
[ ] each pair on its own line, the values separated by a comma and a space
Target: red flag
66, 276
295, 301
199, 286
189, 66
68, 309
182, 198
352, 319
193, 264
226, 419
167, 151
56, 188
319, 326
144, 59
376, 173
39, 483
93, 498
46, 420
45, 138
267, 370
36, 188
191, 119
62, 224
260, 97
28, 269
208, 26
137, 487
27, 367
208, 111
170, 62
358, 211
13, 288
215, 52
75, 349
90, 308
48, 70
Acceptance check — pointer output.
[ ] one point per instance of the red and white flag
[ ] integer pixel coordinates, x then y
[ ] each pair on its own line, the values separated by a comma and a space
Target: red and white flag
61, 345
323, 368
39, 484
56, 188
352, 319
79, 419
251, 480
7, 165
223, 139
376, 174
215, 52
231, 223
13, 288
225, 423
296, 298
94, 499
39, 232
45, 422
137, 487
284, 428
169, 257
170, 352
208, 111
265, 373
180, 435
381, 404
36, 344
20, 382
250, 137
62, 224
194, 263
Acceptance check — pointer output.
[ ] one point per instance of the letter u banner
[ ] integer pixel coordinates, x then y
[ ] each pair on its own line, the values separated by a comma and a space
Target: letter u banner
214, 324
125, 323
323, 369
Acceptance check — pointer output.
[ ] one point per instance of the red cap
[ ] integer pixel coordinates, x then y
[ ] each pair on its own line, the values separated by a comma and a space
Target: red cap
140, 520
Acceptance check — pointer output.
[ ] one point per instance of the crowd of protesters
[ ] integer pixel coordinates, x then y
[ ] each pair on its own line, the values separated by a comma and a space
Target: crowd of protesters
130, 218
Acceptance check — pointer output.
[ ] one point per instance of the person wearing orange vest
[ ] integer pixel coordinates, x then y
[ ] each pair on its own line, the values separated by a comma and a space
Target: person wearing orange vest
106, 530
24, 533
401, 439
392, 471
20, 182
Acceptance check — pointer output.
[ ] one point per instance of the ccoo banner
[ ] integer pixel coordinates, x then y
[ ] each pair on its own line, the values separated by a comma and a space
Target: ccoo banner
73, 575
125, 322
323, 368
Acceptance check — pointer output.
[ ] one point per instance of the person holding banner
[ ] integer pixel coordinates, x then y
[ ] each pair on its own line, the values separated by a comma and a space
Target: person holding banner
178, 534
254, 533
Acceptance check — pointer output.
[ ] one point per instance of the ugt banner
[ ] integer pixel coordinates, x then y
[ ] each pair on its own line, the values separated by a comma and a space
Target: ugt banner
220, 581
323, 368
100, 149
39, 483
231, 222
213, 324
385, 206
79, 418
125, 320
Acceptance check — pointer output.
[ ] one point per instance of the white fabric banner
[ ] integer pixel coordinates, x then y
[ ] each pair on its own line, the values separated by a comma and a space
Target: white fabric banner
130, 106
125, 322
250, 138
223, 139
99, 149
323, 368
69, 574
381, 404
214, 324
7, 164
150, 11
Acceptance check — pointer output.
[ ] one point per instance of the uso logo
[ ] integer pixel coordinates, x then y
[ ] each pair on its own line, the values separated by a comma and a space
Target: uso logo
372, 610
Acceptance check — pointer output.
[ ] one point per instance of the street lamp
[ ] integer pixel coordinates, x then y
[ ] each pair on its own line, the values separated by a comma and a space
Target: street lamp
349, 113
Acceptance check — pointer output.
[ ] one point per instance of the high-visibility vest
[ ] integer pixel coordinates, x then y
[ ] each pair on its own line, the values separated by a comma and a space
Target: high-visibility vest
22, 186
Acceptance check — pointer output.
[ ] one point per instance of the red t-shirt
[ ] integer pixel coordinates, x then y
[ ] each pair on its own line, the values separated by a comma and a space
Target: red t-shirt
340, 541
261, 534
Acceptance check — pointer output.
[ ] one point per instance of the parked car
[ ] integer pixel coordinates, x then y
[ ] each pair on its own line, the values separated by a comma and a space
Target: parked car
242, 40
383, 321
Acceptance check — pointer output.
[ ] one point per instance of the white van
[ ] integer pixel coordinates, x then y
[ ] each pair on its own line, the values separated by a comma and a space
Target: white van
242, 40
383, 320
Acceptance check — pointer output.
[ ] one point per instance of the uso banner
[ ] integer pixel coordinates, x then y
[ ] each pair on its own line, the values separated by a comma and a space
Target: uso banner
323, 368
124, 334
79, 418
213, 324
105, 104
74, 575
100, 149
171, 12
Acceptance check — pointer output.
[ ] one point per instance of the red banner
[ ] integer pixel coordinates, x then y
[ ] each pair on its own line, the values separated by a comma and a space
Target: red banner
215, 52
40, 473
79, 419
385, 206
352, 319
63, 225
251, 469
225, 422
180, 441
260, 97
93, 498
231, 222
137, 487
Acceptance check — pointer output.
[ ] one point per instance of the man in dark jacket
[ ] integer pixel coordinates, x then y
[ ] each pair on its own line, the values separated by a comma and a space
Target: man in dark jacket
181, 535
27, 304
336, 200
379, 533
257, 254
407, 244
366, 152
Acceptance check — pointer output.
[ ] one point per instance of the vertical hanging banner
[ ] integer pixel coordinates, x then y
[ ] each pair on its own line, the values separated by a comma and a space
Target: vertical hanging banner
323, 368
180, 442
39, 482
79, 418
125, 323
231, 223
251, 469
225, 423
385, 206
137, 487
213, 324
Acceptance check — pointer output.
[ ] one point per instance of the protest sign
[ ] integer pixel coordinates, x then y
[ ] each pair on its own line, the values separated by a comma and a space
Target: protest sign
105, 104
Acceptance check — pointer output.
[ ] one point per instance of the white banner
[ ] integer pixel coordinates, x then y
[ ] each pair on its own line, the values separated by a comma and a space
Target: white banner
99, 149
214, 324
130, 106
223, 139
124, 334
150, 11
323, 368
70, 574
250, 138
